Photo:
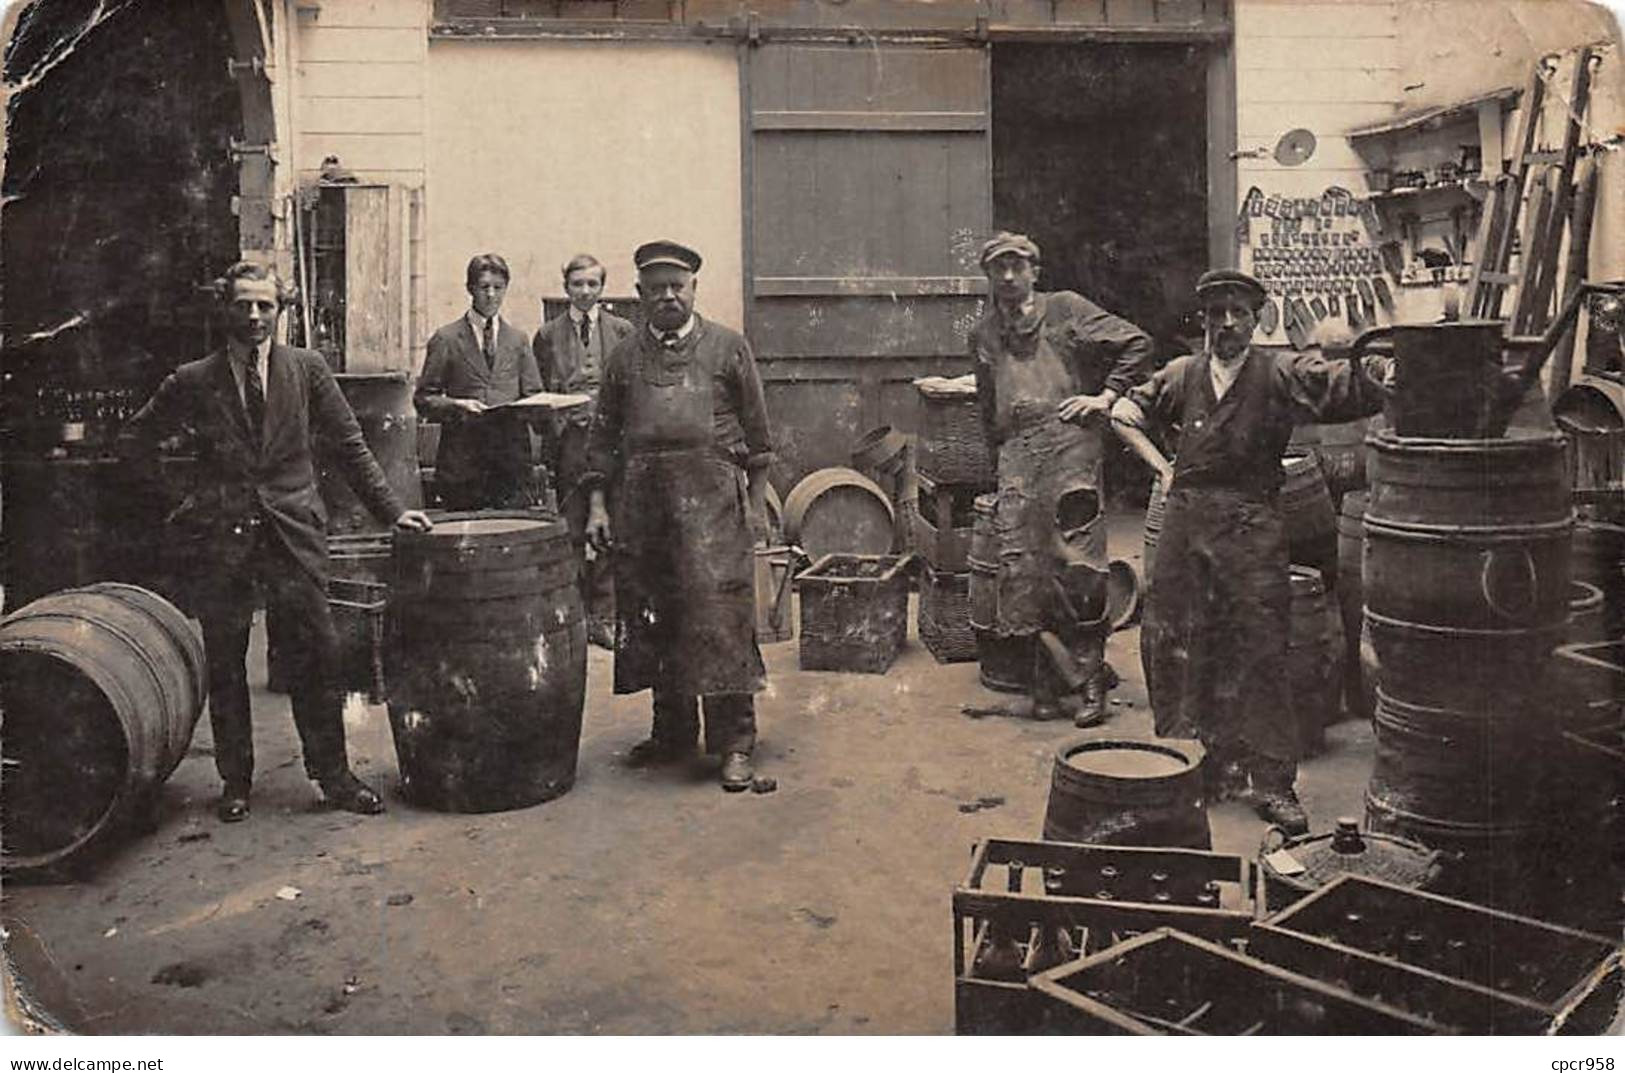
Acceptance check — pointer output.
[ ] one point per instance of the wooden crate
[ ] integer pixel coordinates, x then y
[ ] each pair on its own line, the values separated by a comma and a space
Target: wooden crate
854, 612
942, 520
1492, 970
1171, 983
1058, 887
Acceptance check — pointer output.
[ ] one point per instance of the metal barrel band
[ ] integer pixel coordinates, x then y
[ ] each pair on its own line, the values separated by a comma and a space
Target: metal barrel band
1379, 619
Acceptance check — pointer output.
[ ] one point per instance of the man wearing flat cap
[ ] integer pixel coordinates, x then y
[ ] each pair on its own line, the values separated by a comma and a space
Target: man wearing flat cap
1048, 369
680, 439
1215, 632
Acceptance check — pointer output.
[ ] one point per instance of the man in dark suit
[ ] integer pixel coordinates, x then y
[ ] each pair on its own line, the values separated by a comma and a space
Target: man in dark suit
256, 414
570, 352
477, 362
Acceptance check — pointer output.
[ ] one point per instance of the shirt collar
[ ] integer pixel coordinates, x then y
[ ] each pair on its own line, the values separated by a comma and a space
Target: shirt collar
477, 322
242, 355
682, 333
591, 314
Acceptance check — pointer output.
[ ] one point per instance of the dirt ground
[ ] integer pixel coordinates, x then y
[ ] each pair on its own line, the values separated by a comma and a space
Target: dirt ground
640, 902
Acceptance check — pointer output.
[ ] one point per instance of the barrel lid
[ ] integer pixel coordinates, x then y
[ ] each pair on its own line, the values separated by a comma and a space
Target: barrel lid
1312, 861
506, 527
1131, 758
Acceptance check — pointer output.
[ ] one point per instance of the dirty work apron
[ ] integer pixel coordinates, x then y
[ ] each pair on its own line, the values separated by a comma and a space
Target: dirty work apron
684, 567
1215, 632
1048, 490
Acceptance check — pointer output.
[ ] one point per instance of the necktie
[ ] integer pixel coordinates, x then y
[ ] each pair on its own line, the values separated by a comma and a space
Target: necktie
491, 343
254, 400
670, 340
586, 333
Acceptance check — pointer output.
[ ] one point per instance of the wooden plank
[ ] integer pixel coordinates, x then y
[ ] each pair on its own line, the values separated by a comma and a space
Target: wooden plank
370, 286
1327, 119
345, 115
1538, 219
844, 327
361, 79
1317, 54
1576, 269
1222, 182
345, 44
878, 121
872, 286
1544, 285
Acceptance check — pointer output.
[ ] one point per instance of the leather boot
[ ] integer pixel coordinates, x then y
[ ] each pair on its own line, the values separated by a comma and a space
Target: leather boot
1274, 799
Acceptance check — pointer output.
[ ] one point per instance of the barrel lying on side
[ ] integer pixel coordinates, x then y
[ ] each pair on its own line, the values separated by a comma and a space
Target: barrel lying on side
486, 661
101, 688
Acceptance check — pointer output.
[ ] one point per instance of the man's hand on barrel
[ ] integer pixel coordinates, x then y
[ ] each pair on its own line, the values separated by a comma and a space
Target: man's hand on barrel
415, 521
598, 534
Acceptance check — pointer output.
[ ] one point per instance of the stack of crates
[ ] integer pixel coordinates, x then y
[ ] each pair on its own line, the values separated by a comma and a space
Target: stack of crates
954, 467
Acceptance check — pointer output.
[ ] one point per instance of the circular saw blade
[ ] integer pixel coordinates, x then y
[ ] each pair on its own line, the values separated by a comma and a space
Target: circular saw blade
1295, 147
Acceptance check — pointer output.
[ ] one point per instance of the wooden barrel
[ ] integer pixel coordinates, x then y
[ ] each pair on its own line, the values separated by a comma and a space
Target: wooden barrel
486, 661
1154, 510
1306, 507
1351, 599
1341, 452
1314, 658
1128, 792
1466, 594
839, 511
101, 689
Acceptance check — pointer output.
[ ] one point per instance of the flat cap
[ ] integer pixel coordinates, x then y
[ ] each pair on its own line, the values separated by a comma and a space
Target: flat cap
1215, 281
1009, 242
665, 252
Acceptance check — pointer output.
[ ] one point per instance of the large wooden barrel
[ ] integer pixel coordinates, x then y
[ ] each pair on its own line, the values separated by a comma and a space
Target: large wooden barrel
839, 511
1154, 510
1314, 658
1128, 792
486, 661
1003, 662
1351, 599
1306, 507
1598, 557
1466, 594
101, 688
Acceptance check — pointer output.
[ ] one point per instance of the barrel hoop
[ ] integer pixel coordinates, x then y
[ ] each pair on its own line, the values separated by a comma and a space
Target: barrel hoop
1481, 830
1484, 534
1378, 619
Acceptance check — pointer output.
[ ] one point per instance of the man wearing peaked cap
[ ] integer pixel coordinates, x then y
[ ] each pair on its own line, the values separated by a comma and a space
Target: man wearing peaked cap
1215, 631
1048, 368
678, 483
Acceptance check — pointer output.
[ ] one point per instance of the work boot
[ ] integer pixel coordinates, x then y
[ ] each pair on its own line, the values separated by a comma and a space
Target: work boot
1092, 711
737, 772
347, 792
233, 804
1274, 799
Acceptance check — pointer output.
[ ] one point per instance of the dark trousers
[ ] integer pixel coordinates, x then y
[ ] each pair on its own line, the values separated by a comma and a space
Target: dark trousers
298, 619
730, 720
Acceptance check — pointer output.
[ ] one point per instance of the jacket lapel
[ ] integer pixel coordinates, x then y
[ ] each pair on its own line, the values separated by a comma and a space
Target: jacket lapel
281, 391
474, 352
227, 395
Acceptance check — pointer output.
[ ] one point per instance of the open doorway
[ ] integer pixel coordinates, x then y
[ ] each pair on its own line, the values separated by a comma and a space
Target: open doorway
1100, 154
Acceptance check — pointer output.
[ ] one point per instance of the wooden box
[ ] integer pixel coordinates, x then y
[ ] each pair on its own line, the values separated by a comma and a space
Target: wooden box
1171, 983
1014, 887
942, 520
1484, 969
854, 612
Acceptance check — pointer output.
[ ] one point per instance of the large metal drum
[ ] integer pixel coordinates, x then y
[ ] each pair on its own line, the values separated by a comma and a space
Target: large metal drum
486, 661
1128, 792
1466, 593
101, 689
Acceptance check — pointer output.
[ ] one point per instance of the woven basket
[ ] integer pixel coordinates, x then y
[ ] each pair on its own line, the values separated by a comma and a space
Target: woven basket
952, 445
944, 622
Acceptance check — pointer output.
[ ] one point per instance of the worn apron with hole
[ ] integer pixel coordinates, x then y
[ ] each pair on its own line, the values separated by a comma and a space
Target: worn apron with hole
684, 564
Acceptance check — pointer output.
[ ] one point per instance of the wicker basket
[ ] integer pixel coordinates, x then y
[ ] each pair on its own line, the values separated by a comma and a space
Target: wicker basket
944, 623
854, 612
952, 445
